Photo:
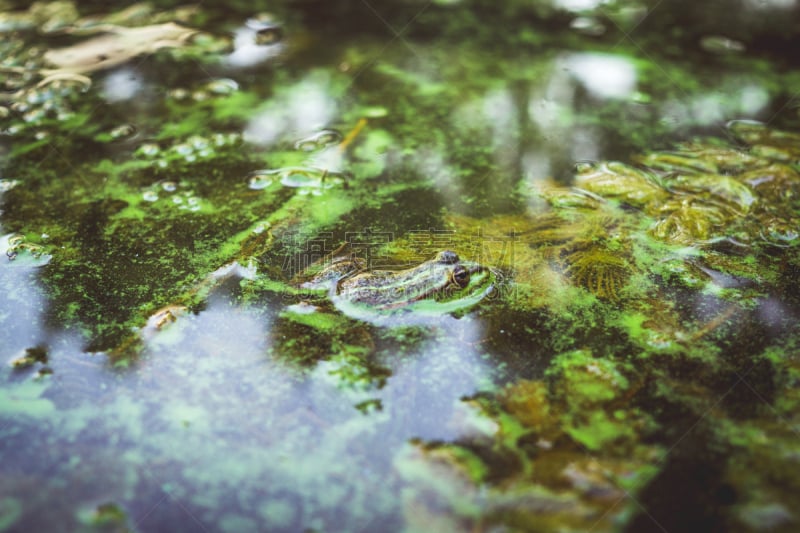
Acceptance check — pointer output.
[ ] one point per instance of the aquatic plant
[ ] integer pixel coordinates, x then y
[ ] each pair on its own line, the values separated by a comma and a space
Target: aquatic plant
600, 269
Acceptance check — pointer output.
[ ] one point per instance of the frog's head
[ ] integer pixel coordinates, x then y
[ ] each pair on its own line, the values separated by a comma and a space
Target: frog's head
446, 276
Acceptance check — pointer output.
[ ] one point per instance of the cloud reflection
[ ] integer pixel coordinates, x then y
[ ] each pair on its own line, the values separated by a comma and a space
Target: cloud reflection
247, 52
578, 5
299, 110
603, 75
122, 84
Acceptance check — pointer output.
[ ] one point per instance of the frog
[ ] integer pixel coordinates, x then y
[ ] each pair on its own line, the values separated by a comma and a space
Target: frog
443, 285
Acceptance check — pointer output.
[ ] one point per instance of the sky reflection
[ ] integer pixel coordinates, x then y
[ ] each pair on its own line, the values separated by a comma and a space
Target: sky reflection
299, 110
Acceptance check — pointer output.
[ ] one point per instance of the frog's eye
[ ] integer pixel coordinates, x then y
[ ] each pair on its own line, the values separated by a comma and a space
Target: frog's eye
461, 276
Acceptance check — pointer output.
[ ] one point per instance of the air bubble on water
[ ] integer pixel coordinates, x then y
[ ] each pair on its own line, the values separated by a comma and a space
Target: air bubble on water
35, 97
41, 135
169, 186
719, 44
178, 94
80, 84
150, 196
200, 96
305, 146
299, 177
191, 158
149, 150
328, 137
304, 191
205, 152
261, 228
183, 149
177, 200
125, 131
375, 112
222, 86
193, 203
161, 163
583, 167
319, 140
588, 26
197, 142
296, 177
34, 115
261, 179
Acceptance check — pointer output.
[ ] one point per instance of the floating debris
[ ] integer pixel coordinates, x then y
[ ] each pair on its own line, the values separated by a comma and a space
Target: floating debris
21, 253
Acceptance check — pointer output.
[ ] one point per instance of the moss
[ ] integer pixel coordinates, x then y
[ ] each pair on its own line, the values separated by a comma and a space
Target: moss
623, 313
584, 380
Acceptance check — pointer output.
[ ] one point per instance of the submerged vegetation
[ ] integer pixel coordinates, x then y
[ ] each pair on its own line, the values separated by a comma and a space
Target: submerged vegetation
302, 270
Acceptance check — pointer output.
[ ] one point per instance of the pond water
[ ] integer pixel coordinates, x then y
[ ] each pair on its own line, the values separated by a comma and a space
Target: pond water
408, 266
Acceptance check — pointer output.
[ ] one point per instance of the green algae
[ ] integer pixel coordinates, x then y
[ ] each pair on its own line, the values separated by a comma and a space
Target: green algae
620, 317
10, 512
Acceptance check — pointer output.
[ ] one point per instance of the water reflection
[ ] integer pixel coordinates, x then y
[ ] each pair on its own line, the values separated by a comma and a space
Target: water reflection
207, 410
21, 307
211, 420
123, 84
259, 40
425, 389
578, 5
603, 75
299, 110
